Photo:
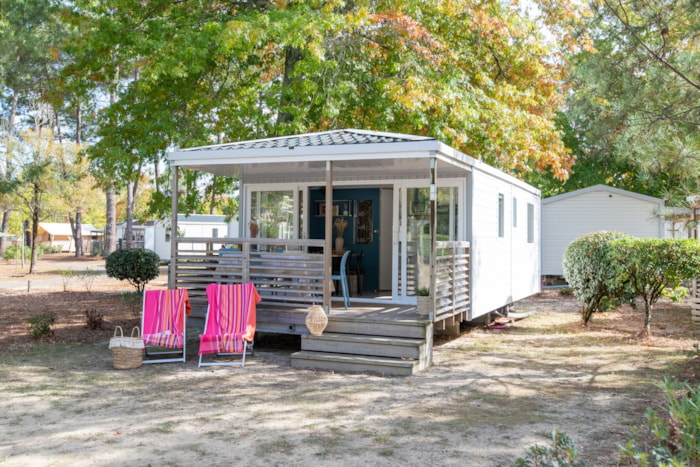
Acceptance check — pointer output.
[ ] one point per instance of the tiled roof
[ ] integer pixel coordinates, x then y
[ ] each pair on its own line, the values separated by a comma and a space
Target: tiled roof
326, 138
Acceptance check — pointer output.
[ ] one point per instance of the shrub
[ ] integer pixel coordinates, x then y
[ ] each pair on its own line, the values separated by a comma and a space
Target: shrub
14, 251
94, 319
591, 275
40, 325
562, 453
66, 275
673, 439
138, 266
652, 268
88, 277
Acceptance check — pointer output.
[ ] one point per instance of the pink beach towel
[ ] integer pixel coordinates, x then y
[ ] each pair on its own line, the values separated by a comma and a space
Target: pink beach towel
164, 317
231, 318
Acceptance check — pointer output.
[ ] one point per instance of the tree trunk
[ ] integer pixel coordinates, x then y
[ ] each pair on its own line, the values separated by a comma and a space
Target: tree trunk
77, 229
647, 316
78, 124
129, 232
8, 164
292, 56
110, 238
35, 229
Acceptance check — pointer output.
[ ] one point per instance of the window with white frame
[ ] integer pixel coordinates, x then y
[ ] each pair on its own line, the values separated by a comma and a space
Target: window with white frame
501, 215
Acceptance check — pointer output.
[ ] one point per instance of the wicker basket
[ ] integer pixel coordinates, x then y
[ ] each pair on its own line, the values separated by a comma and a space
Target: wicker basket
127, 352
316, 320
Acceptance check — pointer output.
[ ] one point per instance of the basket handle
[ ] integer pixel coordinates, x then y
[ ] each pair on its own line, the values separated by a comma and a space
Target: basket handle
138, 331
121, 332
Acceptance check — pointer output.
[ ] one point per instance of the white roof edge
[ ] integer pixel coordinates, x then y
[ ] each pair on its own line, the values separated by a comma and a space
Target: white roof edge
241, 156
605, 188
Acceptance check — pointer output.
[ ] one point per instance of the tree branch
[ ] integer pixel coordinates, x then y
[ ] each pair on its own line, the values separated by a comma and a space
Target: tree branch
657, 57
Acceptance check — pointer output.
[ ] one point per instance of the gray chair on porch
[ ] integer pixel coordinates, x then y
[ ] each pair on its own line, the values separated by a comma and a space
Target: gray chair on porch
342, 277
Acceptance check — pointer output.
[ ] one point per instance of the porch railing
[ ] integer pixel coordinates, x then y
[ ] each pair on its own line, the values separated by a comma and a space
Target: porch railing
451, 286
287, 273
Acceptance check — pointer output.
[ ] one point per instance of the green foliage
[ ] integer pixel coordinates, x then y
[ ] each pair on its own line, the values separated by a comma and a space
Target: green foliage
674, 438
634, 110
562, 453
651, 268
94, 319
40, 325
14, 252
138, 266
591, 275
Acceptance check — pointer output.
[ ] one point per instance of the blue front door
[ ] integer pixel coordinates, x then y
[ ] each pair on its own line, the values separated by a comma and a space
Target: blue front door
359, 207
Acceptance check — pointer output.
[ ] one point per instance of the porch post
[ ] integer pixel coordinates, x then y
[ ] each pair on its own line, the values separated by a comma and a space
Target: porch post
327, 250
173, 228
433, 235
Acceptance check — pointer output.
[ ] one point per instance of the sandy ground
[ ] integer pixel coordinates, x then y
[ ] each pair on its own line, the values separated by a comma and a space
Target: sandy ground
489, 395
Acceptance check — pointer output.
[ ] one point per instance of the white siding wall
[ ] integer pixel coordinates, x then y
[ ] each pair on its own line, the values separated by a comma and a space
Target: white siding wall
504, 269
567, 219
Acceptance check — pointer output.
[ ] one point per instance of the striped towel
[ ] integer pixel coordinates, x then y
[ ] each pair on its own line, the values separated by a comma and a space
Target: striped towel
230, 318
164, 317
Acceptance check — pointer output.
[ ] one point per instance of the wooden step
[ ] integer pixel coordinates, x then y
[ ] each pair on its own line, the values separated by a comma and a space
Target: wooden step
416, 329
377, 346
354, 363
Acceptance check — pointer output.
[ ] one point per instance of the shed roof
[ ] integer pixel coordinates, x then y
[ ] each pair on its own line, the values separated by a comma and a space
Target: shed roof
62, 228
604, 188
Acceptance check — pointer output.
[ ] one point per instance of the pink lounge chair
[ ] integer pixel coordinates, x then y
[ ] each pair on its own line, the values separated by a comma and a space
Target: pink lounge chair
230, 323
163, 324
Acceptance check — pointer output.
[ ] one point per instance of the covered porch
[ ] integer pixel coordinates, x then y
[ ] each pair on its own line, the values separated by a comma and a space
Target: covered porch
371, 335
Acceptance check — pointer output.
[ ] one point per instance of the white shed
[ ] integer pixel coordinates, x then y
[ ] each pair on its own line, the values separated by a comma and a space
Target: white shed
568, 216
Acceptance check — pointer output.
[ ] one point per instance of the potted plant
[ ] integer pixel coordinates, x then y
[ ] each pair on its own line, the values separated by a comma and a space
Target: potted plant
340, 224
424, 302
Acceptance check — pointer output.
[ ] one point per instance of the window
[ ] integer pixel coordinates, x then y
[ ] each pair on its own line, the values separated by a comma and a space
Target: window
515, 212
215, 233
501, 215
530, 223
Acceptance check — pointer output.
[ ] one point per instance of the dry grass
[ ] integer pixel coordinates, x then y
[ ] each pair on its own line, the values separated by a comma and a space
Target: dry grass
489, 396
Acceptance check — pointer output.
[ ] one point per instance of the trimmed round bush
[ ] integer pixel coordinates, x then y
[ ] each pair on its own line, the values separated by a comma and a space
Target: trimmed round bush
592, 275
138, 266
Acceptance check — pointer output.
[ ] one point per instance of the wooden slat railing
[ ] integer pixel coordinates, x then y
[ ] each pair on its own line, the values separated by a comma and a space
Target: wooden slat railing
452, 294
287, 273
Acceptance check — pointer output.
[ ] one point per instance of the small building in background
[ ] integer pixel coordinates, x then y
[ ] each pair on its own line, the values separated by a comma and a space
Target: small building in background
59, 235
156, 235
569, 216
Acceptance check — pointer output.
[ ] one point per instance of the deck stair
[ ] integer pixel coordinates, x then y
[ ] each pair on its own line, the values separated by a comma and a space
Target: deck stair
363, 345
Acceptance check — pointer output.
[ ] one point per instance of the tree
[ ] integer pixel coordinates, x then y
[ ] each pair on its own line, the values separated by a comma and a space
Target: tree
29, 32
476, 75
651, 267
37, 178
633, 111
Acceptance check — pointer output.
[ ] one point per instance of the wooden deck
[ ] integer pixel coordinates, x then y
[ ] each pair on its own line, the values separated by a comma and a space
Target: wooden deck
387, 339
